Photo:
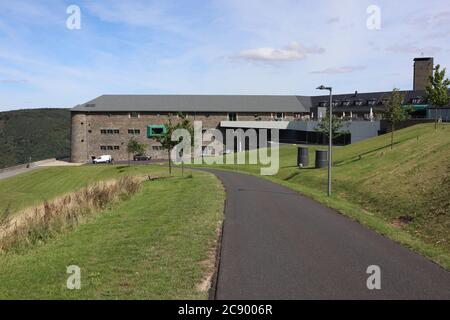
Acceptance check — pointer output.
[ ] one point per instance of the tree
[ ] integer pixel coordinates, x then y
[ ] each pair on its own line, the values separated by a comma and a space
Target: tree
394, 111
135, 147
165, 138
337, 126
436, 91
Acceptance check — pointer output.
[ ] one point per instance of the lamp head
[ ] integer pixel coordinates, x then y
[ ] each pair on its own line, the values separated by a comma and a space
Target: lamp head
322, 87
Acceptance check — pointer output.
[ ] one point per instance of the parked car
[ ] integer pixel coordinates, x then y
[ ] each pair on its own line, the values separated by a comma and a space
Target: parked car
141, 157
103, 159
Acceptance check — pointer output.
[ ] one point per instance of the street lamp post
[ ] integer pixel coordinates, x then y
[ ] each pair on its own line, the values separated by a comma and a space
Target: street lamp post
330, 136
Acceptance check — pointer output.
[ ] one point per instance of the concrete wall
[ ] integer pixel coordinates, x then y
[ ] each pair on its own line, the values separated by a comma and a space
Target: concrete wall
361, 130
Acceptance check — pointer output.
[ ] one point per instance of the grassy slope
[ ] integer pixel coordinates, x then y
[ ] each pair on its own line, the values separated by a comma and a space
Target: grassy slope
149, 247
44, 184
411, 180
39, 133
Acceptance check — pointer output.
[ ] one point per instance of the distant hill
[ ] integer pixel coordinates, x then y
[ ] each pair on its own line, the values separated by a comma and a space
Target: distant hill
39, 133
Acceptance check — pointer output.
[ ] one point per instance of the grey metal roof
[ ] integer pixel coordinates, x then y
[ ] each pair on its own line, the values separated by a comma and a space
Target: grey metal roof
196, 103
233, 103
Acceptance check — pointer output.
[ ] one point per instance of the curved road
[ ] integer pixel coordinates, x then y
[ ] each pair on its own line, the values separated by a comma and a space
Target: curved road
278, 244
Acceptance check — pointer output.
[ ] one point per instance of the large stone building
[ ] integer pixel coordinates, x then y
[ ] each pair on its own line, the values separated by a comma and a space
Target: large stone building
106, 124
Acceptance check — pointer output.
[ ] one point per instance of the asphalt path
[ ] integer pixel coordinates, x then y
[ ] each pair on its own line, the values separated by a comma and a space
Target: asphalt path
278, 244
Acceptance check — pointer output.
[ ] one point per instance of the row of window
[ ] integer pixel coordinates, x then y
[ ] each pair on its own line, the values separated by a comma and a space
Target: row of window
117, 131
109, 131
360, 102
109, 148
232, 116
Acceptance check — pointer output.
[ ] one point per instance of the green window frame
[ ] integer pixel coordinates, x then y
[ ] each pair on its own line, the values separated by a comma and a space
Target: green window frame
156, 130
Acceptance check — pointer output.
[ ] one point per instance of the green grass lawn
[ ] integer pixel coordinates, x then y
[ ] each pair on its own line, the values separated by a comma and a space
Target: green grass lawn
384, 186
44, 184
152, 246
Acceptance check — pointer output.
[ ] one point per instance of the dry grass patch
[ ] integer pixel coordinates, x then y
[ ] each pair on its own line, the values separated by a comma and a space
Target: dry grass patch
37, 224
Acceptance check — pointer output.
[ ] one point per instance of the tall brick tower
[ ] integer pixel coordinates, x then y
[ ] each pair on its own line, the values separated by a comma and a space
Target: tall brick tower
423, 69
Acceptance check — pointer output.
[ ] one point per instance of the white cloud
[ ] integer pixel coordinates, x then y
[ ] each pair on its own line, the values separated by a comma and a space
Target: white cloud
412, 48
12, 81
159, 15
345, 69
292, 52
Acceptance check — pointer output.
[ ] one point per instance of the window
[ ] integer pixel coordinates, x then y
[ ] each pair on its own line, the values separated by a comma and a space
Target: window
156, 130
102, 131
134, 131
232, 116
102, 147
335, 103
116, 147
134, 114
279, 115
157, 148
110, 147
116, 131
358, 103
110, 131
323, 104
346, 103
371, 102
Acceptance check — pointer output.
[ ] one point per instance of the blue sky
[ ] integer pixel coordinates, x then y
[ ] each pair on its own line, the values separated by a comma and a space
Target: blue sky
211, 47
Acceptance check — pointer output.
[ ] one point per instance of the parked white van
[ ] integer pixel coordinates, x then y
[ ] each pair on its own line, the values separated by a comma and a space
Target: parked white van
102, 159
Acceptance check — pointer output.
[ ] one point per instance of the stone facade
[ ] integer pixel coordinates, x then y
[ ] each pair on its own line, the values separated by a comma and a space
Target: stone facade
97, 133
78, 138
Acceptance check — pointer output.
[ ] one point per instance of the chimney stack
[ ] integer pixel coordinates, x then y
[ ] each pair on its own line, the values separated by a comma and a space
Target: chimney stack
423, 69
